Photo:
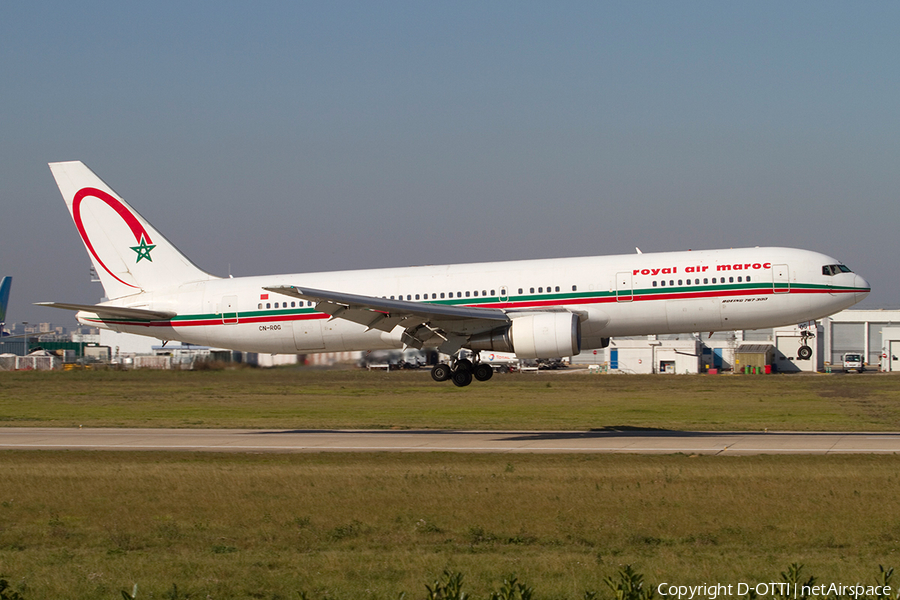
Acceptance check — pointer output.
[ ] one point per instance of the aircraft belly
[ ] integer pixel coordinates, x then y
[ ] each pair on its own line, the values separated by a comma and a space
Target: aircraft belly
636, 318
693, 314
354, 337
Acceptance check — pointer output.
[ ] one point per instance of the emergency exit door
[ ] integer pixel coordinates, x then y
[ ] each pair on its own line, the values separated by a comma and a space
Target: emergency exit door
781, 279
624, 287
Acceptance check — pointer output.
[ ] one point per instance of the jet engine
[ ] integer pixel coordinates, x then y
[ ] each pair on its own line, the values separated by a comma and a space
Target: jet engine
534, 335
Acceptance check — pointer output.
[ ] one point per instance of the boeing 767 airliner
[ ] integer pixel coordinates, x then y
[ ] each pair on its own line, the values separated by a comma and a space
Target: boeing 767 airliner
534, 308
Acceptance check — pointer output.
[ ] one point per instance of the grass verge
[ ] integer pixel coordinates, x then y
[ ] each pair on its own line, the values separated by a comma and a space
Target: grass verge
305, 398
349, 526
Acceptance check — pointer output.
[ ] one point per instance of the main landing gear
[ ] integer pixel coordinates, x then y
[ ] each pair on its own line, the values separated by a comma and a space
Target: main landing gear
461, 372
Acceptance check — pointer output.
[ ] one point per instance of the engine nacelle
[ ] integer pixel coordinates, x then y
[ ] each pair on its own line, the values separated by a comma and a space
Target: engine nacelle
534, 335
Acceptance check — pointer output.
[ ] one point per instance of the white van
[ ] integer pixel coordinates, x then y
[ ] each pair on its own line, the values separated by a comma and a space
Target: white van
853, 361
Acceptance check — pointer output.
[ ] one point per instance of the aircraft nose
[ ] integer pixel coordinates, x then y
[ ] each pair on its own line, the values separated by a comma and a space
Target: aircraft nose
862, 286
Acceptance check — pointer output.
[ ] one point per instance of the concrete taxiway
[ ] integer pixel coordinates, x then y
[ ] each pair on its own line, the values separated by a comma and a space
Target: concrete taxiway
605, 441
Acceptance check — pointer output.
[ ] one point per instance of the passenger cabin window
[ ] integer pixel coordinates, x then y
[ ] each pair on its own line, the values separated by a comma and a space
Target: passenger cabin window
654, 284
574, 288
532, 290
442, 294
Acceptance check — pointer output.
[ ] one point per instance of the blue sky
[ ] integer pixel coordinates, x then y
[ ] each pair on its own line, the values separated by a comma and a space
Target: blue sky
291, 137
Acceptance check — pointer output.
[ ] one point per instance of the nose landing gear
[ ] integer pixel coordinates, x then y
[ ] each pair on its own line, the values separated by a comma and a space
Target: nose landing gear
804, 352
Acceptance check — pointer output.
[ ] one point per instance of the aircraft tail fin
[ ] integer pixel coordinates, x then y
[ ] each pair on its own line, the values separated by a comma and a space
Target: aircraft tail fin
129, 255
4, 297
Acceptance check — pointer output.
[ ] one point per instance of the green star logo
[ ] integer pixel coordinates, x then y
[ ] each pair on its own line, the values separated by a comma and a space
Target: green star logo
143, 251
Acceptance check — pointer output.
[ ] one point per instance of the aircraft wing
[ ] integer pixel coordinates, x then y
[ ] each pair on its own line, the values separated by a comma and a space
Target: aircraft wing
116, 312
421, 320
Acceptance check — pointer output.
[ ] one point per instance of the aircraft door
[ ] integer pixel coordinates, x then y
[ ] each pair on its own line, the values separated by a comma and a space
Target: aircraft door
308, 334
781, 279
624, 287
229, 310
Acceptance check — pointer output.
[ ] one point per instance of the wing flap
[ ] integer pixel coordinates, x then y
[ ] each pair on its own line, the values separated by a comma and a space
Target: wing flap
385, 314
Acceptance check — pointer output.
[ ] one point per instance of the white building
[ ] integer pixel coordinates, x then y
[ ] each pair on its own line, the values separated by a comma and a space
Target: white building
858, 331
648, 356
874, 333
890, 349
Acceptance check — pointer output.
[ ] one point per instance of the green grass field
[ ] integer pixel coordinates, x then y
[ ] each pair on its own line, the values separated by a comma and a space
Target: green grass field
86, 525
359, 399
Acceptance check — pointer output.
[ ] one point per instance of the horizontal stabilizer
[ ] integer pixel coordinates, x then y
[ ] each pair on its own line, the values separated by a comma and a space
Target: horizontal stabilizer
119, 312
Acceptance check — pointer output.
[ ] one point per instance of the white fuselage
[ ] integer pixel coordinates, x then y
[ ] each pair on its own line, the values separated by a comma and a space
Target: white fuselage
637, 294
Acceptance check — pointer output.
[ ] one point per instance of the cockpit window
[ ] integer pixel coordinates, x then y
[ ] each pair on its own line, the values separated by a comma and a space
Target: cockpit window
835, 269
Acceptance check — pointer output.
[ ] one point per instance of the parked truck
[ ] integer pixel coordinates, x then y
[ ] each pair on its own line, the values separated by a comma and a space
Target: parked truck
853, 361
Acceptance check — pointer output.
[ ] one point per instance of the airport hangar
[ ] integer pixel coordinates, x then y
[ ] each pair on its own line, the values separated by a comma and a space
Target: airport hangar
873, 333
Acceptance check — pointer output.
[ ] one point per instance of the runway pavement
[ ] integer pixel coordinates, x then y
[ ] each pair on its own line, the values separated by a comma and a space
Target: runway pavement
604, 441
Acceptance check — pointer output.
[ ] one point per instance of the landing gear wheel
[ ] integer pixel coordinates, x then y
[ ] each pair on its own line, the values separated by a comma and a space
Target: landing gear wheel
804, 352
483, 372
461, 378
441, 372
464, 365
